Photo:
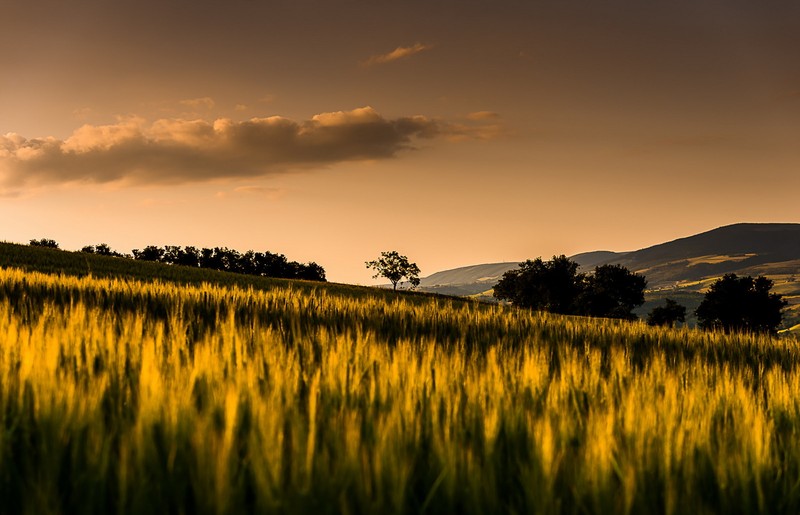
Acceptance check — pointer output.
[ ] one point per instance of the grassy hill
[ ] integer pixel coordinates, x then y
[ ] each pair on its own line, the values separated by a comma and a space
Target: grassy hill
184, 395
79, 264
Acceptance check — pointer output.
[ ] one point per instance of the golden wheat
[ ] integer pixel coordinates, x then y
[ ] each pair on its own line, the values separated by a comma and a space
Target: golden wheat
132, 397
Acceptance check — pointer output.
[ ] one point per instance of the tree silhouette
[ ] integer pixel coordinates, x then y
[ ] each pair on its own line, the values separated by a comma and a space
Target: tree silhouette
395, 267
741, 304
44, 242
556, 286
612, 291
264, 264
552, 286
101, 249
668, 314
149, 253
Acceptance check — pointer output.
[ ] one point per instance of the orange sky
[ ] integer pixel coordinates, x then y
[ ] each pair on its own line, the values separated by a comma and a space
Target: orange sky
454, 132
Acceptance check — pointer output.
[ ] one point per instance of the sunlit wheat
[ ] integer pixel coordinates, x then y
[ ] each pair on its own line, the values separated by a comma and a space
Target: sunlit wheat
133, 397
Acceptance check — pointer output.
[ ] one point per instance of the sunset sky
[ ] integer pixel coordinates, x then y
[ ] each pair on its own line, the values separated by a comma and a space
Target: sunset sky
456, 132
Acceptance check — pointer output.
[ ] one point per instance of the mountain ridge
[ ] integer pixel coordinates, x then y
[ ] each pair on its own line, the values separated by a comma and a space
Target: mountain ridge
681, 268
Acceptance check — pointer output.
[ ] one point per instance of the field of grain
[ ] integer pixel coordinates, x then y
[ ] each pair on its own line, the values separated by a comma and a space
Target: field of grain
122, 396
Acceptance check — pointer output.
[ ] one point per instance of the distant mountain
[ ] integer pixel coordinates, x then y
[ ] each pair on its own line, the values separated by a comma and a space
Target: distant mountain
486, 274
730, 249
680, 268
589, 260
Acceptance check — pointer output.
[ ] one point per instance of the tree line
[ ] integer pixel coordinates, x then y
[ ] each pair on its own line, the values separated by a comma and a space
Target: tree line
731, 303
264, 264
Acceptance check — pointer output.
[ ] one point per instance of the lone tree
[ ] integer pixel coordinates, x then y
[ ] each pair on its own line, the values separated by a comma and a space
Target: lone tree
668, 314
552, 286
612, 291
741, 304
395, 267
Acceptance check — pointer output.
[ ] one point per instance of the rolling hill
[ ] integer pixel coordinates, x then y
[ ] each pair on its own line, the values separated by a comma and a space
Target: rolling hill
679, 269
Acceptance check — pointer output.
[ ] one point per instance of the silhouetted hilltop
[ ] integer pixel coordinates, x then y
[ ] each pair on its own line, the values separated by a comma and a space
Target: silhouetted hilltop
729, 249
680, 269
732, 248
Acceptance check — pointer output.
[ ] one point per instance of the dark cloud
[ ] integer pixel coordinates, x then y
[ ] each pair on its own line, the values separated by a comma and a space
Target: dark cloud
401, 52
177, 151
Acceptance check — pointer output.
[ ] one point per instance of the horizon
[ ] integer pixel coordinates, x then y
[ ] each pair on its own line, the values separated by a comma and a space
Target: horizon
451, 132
382, 281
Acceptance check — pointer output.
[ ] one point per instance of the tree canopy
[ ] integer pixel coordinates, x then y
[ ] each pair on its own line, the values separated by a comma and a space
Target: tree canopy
101, 249
746, 304
395, 267
44, 242
556, 286
612, 291
265, 264
553, 285
668, 314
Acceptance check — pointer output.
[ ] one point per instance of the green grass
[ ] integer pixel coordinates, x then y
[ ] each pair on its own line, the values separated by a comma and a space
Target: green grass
120, 395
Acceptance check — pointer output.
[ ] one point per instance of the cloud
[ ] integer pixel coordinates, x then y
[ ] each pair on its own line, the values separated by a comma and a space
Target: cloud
483, 115
199, 103
174, 151
480, 125
400, 52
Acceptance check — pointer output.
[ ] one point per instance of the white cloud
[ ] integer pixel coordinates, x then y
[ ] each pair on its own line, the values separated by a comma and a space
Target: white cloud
172, 151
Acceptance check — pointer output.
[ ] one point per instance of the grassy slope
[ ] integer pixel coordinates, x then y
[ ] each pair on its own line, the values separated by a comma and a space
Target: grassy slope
79, 264
143, 397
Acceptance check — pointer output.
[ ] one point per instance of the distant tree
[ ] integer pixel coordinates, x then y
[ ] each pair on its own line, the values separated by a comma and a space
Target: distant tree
271, 265
101, 249
315, 272
189, 256
105, 250
207, 258
612, 291
553, 286
741, 304
224, 259
668, 314
44, 242
395, 267
171, 254
149, 253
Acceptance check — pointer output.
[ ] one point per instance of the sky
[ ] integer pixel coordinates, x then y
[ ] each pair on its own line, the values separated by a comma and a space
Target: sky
455, 132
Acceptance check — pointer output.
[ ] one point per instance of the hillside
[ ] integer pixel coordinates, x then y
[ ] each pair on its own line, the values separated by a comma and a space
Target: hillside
127, 396
79, 264
475, 279
679, 269
731, 249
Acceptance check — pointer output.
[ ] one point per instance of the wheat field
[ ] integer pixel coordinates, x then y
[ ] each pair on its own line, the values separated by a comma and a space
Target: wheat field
122, 396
